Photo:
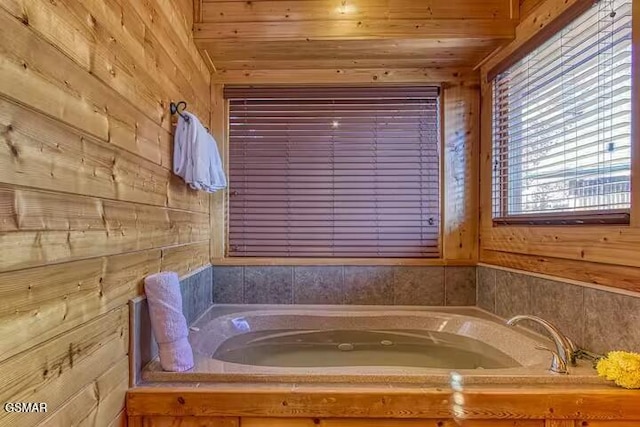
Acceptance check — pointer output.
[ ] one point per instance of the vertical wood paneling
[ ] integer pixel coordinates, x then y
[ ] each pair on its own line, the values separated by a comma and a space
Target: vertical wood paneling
486, 156
635, 152
461, 115
88, 203
219, 200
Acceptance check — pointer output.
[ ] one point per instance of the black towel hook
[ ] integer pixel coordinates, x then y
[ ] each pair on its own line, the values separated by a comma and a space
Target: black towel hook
176, 109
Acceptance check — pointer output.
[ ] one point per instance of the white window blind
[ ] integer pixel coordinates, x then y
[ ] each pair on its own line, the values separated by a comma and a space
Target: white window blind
562, 124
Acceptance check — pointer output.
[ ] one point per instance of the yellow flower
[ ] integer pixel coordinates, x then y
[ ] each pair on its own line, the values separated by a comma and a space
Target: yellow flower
621, 367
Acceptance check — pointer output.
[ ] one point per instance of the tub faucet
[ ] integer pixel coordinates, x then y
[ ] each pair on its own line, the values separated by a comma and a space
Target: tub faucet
565, 349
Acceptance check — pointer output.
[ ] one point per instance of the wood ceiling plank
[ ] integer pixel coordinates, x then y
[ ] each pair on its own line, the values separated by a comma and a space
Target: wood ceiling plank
338, 34
347, 49
358, 29
341, 54
308, 10
347, 76
329, 63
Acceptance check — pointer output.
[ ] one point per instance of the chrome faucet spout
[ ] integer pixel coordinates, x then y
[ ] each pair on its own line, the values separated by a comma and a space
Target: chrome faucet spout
565, 349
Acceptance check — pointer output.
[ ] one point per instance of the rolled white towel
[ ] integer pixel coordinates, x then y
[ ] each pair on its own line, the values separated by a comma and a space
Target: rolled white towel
167, 321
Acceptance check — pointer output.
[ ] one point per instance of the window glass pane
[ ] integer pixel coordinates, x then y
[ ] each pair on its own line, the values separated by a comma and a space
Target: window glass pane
562, 120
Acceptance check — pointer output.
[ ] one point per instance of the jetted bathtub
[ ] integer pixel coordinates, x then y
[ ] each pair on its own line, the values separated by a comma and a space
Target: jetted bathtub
295, 344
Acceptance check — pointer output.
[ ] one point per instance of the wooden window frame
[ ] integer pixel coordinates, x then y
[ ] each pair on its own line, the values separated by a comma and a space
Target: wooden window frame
604, 255
616, 217
460, 109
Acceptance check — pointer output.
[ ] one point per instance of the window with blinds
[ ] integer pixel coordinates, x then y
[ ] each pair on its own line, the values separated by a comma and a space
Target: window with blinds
333, 172
562, 125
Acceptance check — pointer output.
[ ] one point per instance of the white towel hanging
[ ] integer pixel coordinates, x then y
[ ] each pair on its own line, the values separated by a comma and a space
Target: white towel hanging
195, 155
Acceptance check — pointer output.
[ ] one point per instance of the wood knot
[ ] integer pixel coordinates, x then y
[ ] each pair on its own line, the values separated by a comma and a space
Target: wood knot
14, 150
316, 421
71, 354
181, 400
24, 19
284, 403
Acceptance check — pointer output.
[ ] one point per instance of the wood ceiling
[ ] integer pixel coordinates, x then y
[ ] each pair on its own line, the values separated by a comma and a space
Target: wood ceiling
348, 34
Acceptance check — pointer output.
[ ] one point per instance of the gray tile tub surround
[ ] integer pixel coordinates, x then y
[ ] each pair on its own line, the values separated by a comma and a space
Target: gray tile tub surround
460, 285
318, 285
366, 285
197, 293
596, 319
268, 285
143, 346
228, 285
486, 288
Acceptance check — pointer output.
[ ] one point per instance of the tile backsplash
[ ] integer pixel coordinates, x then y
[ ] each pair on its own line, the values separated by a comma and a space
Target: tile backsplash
197, 293
367, 285
595, 319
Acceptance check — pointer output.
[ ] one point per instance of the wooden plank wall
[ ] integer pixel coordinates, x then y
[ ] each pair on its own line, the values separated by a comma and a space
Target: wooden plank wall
370, 405
185, 421
604, 255
460, 102
88, 204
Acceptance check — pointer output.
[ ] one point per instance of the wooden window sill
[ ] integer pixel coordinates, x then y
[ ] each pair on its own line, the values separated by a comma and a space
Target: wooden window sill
231, 261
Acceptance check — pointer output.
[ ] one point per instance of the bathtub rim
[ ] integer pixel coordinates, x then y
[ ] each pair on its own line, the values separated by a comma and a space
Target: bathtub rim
534, 374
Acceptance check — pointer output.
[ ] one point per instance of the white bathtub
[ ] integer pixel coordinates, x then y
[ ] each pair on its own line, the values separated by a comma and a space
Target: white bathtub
474, 328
